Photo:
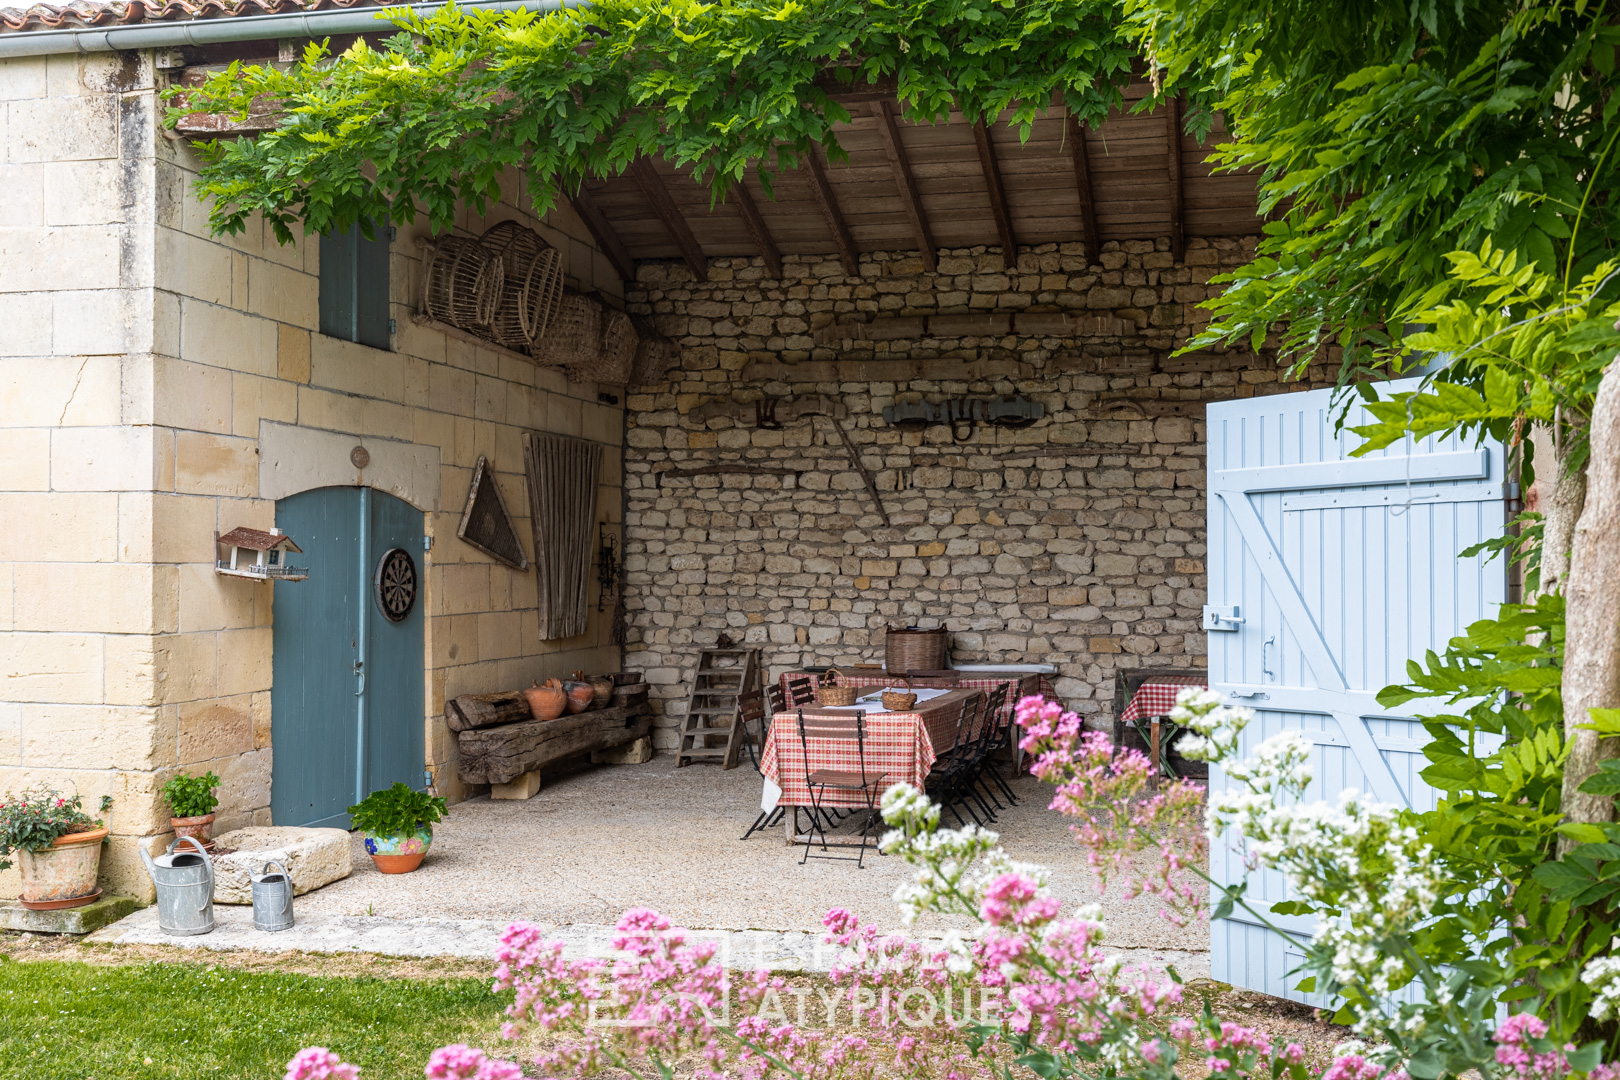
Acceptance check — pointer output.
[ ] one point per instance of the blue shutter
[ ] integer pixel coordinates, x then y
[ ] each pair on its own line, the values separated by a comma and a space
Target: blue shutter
1340, 569
354, 286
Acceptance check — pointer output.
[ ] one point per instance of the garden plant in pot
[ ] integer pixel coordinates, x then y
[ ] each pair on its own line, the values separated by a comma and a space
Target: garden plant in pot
191, 805
398, 824
57, 844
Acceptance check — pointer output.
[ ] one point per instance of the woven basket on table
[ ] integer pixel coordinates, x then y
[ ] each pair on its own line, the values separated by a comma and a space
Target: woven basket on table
911, 649
532, 283
461, 283
833, 694
575, 334
897, 701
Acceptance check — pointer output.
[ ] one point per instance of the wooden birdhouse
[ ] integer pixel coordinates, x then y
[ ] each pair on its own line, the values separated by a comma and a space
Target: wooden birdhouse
258, 555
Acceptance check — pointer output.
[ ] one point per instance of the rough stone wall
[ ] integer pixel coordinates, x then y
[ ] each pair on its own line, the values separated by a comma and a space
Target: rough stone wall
1077, 541
143, 364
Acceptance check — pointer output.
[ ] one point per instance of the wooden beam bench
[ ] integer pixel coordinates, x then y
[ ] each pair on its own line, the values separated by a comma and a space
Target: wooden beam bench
499, 755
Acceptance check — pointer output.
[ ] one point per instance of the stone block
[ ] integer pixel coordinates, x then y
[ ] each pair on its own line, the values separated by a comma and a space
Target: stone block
526, 786
312, 857
79, 920
632, 753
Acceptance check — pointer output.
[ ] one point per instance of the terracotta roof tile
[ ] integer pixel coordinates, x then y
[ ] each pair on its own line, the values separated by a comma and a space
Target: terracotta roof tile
131, 12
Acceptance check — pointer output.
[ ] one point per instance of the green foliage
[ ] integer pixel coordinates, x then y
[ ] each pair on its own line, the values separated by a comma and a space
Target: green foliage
437, 118
32, 820
1530, 920
65, 1020
191, 796
395, 811
1520, 347
1388, 136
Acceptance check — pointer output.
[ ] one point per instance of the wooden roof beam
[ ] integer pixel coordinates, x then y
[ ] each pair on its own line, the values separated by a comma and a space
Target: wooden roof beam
652, 185
1172, 139
1076, 136
835, 217
997, 193
607, 238
889, 131
757, 230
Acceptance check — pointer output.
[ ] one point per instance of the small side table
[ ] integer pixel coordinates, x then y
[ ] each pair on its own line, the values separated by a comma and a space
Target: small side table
1146, 711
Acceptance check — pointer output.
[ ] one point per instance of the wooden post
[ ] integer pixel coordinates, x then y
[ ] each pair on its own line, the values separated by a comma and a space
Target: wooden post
835, 217
607, 238
652, 185
998, 195
1178, 226
755, 224
889, 132
1076, 136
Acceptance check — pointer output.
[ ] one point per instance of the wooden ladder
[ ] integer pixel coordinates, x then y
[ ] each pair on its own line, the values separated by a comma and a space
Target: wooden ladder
711, 711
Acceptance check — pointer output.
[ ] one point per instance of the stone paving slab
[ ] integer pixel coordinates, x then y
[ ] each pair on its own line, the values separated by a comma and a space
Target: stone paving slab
79, 920
778, 950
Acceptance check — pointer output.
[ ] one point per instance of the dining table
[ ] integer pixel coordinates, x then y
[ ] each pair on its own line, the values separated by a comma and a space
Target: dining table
901, 746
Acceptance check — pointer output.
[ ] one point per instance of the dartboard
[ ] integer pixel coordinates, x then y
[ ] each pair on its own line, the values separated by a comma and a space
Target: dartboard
396, 584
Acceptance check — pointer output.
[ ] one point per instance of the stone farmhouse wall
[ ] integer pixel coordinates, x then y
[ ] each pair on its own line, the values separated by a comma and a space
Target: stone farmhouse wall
141, 362
1077, 541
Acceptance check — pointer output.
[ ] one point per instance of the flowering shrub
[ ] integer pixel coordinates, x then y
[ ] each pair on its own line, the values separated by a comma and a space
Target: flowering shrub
1030, 985
33, 820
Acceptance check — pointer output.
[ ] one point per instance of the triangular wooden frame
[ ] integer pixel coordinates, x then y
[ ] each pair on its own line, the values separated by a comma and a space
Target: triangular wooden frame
482, 476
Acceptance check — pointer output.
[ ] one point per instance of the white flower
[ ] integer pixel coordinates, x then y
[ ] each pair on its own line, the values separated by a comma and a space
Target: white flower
1603, 976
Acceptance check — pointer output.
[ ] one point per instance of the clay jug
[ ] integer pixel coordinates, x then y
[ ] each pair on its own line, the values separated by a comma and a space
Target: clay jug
580, 693
603, 686
546, 702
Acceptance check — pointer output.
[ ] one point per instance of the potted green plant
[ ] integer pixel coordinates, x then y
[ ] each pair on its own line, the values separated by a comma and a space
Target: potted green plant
191, 805
57, 844
398, 825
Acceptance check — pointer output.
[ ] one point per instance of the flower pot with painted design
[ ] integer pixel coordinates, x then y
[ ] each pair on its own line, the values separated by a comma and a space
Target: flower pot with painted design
398, 826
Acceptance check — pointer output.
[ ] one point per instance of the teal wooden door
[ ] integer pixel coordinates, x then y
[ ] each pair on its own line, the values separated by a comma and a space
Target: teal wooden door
346, 705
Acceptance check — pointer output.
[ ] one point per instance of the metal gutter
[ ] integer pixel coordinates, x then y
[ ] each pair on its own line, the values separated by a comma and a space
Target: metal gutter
312, 24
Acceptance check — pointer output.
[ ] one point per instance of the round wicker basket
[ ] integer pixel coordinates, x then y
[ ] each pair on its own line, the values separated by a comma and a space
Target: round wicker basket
532, 283
575, 334
833, 694
911, 649
895, 701
461, 283
617, 354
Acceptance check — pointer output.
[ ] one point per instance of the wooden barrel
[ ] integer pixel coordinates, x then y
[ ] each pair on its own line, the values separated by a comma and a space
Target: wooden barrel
911, 649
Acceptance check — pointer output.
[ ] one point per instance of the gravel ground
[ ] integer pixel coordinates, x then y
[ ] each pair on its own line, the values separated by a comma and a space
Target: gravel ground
596, 842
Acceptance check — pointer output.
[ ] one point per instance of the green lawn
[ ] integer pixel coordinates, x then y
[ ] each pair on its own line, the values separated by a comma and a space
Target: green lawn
65, 1020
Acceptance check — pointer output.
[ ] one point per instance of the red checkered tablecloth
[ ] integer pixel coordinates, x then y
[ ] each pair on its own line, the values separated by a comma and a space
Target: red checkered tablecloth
1019, 684
1158, 697
901, 745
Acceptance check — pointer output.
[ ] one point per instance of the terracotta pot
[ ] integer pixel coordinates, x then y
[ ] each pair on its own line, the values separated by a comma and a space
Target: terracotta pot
546, 702
63, 873
581, 695
201, 827
402, 853
603, 685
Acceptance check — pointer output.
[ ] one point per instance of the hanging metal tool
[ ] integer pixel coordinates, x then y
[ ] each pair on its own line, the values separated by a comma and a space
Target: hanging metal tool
860, 467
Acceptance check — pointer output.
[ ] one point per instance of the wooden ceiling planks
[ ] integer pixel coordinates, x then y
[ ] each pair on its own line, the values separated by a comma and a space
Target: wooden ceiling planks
935, 184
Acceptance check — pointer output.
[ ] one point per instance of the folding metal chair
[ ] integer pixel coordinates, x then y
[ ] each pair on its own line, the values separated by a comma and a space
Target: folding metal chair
762, 707
945, 779
837, 729
998, 735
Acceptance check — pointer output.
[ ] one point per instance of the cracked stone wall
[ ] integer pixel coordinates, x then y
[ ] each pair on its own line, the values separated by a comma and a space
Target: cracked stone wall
1077, 540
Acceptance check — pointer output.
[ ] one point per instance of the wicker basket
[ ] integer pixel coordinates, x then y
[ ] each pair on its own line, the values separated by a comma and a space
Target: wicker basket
911, 649
574, 336
655, 356
461, 283
615, 357
896, 701
532, 283
833, 694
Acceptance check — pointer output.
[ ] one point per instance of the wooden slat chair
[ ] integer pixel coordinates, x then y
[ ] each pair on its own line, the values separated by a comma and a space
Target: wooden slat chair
761, 707
801, 690
838, 729
997, 736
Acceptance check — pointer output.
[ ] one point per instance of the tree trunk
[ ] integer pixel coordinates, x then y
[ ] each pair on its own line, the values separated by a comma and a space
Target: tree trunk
1560, 497
1592, 592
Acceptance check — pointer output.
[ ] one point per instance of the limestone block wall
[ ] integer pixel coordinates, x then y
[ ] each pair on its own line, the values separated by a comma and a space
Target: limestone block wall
1078, 540
158, 384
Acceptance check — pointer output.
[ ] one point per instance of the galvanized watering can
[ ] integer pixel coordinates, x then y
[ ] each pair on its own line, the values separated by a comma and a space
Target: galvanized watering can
272, 898
185, 888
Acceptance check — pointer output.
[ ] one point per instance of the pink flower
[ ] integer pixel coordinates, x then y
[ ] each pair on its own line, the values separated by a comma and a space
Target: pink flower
319, 1063
462, 1062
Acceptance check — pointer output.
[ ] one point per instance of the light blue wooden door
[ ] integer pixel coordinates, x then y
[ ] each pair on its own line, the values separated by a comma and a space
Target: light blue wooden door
346, 706
1326, 574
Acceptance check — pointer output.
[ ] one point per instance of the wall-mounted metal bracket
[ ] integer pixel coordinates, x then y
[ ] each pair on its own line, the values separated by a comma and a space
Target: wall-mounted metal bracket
1223, 619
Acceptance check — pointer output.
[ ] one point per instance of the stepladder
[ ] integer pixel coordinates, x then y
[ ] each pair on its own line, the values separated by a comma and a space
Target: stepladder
713, 727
